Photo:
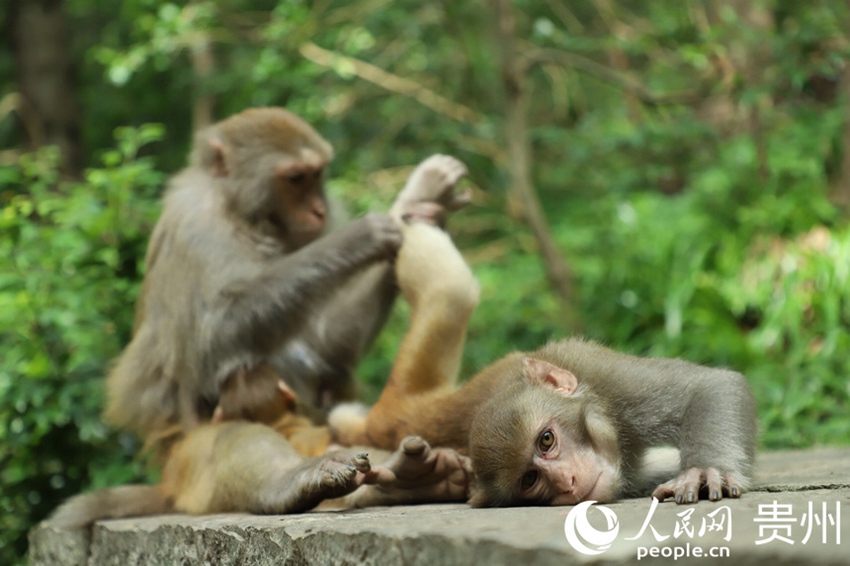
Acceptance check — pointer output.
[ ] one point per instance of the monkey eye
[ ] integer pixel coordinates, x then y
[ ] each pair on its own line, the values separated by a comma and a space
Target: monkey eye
297, 178
547, 440
528, 480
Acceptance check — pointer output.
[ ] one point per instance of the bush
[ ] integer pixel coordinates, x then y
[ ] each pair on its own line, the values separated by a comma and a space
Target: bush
70, 261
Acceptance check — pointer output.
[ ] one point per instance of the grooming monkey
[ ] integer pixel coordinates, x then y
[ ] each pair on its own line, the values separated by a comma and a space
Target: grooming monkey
236, 465
241, 277
564, 424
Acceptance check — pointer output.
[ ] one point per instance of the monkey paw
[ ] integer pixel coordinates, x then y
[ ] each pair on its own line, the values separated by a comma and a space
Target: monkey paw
417, 473
686, 487
374, 236
340, 473
429, 192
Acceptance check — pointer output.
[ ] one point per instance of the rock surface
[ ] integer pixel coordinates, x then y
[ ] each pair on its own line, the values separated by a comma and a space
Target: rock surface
802, 497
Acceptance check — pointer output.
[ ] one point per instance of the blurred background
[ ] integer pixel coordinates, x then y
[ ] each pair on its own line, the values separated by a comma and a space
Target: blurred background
669, 178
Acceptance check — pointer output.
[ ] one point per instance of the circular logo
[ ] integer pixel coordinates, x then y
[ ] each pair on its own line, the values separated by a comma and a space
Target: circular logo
584, 537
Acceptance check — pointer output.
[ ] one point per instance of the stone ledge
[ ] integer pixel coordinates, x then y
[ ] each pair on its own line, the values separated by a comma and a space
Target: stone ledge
457, 534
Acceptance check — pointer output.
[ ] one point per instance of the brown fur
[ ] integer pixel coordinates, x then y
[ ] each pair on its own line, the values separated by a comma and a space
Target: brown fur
240, 466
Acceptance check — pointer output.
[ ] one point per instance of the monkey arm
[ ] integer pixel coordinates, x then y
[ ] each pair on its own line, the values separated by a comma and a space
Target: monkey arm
251, 316
347, 325
708, 414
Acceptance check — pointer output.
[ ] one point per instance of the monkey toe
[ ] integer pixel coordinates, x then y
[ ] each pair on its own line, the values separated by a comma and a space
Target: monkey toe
424, 212
458, 201
733, 486
433, 180
414, 446
714, 484
417, 473
344, 469
684, 488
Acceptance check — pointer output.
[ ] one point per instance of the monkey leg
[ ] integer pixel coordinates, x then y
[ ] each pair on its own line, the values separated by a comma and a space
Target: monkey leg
239, 466
442, 293
304, 487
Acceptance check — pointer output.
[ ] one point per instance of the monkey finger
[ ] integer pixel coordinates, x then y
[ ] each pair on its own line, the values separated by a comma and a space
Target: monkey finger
733, 486
455, 170
379, 475
663, 491
684, 487
714, 484
459, 200
414, 445
423, 212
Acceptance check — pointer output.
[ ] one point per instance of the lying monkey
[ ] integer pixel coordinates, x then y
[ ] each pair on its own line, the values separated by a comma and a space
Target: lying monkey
565, 424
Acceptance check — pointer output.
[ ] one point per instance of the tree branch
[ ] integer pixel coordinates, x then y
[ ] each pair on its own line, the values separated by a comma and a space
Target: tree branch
523, 197
391, 82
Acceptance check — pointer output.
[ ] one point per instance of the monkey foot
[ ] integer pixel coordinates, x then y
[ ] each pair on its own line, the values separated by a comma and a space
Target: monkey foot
417, 473
430, 191
326, 477
688, 485
340, 473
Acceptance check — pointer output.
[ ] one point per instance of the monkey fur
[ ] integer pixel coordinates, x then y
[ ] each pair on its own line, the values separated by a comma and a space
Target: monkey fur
234, 465
562, 424
241, 274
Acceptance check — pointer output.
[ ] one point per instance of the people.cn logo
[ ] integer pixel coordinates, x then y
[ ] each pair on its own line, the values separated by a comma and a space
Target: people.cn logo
586, 538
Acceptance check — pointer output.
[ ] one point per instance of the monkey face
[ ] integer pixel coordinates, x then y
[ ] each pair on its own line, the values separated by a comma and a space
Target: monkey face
543, 442
269, 165
565, 469
299, 201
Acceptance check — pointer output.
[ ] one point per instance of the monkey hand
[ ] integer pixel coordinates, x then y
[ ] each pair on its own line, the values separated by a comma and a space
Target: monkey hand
417, 473
687, 485
372, 237
432, 182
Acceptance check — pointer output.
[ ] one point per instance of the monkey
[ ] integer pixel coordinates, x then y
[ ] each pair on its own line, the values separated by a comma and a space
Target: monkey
260, 396
239, 466
242, 273
564, 424
574, 418
232, 464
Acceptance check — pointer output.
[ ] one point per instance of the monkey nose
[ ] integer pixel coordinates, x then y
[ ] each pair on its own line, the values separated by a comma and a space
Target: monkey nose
569, 483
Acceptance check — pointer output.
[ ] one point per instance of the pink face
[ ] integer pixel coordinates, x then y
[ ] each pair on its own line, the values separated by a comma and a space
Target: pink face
564, 472
301, 201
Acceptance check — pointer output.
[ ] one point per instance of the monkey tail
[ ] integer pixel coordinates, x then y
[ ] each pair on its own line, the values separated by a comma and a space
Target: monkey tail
113, 503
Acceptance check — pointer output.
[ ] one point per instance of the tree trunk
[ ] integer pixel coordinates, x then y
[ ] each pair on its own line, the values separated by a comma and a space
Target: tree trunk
523, 197
841, 188
203, 66
38, 38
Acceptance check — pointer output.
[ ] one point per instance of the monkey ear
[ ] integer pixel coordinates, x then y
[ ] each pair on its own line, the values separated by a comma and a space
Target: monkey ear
288, 393
544, 373
220, 156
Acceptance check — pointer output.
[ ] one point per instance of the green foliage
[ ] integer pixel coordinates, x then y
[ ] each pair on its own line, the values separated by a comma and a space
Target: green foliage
684, 156
70, 256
